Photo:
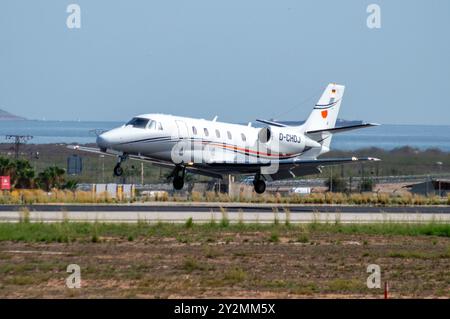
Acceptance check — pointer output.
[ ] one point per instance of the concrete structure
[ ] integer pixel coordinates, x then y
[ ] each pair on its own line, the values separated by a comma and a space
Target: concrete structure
119, 191
235, 212
434, 187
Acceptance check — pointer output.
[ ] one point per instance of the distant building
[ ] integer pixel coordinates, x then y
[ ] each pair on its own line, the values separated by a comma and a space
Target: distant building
430, 187
74, 165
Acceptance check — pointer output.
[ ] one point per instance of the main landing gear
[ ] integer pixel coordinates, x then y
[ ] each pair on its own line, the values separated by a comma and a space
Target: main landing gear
178, 177
118, 170
259, 184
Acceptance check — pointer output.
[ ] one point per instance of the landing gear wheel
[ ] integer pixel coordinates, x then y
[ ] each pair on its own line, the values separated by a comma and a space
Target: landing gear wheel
178, 183
178, 178
260, 186
118, 170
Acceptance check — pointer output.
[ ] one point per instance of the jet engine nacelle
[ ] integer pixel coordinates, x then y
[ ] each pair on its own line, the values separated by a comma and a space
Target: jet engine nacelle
285, 140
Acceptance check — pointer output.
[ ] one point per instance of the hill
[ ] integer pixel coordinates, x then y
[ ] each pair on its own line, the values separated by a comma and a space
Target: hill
6, 116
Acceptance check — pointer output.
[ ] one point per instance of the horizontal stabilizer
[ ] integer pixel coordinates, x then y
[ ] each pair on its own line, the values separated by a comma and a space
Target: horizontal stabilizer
271, 123
343, 128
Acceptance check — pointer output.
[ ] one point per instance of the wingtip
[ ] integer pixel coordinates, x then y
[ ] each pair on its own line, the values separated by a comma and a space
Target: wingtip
372, 159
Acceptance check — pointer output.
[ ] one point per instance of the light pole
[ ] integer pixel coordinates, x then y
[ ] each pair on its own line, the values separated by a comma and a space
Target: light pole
102, 157
331, 179
18, 140
440, 176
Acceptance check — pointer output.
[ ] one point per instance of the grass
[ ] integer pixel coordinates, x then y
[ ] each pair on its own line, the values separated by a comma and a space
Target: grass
235, 275
274, 238
224, 222
419, 255
303, 238
191, 264
251, 267
189, 223
340, 285
66, 232
24, 215
36, 196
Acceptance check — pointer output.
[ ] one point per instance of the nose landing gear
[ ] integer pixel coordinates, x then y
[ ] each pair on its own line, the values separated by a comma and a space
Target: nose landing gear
118, 170
259, 184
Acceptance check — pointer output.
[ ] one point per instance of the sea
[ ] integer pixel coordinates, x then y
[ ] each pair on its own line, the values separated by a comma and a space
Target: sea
386, 136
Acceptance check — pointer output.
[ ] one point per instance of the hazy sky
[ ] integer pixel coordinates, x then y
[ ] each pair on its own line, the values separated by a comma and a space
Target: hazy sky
239, 59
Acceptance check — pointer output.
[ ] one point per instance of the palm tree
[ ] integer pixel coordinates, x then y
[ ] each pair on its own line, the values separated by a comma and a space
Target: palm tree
6, 166
71, 185
51, 177
24, 174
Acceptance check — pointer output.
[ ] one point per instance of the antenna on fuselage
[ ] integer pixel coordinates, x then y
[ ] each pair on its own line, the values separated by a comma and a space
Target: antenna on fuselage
215, 118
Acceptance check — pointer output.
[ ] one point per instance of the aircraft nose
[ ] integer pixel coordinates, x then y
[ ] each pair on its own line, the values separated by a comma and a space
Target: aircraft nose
103, 141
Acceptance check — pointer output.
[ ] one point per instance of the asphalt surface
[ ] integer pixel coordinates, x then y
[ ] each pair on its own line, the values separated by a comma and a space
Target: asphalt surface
230, 207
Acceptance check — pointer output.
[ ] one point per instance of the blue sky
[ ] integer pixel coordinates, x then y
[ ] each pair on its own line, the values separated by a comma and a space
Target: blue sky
239, 59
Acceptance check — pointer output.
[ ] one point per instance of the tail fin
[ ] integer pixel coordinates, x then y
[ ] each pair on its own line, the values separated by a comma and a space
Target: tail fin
325, 113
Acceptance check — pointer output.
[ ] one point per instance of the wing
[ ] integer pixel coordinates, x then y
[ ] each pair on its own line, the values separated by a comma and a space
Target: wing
164, 164
289, 168
286, 168
301, 167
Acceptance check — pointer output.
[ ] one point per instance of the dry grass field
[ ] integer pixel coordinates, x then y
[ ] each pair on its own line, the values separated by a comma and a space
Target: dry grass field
223, 261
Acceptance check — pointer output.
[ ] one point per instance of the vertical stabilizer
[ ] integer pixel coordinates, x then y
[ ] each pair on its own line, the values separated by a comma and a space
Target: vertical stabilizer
325, 113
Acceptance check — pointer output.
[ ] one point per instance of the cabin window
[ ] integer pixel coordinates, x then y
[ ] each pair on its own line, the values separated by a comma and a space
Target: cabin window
243, 137
194, 130
218, 133
152, 125
229, 135
138, 122
206, 131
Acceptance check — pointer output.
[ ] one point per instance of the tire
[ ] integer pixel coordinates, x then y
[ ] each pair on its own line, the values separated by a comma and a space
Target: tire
178, 183
260, 186
118, 170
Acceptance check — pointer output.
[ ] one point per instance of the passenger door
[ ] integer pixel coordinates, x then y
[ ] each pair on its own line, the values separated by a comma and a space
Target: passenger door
183, 131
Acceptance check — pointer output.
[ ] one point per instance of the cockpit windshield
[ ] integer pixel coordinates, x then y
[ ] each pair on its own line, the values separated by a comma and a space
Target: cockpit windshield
138, 122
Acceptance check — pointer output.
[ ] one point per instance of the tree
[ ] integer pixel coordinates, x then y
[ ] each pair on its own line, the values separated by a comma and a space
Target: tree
20, 172
6, 166
24, 174
71, 185
336, 184
366, 185
51, 177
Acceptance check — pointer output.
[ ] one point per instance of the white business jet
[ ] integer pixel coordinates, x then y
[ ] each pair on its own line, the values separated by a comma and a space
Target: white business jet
215, 149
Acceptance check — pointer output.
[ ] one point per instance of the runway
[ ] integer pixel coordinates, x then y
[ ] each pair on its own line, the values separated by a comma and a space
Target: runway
234, 212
